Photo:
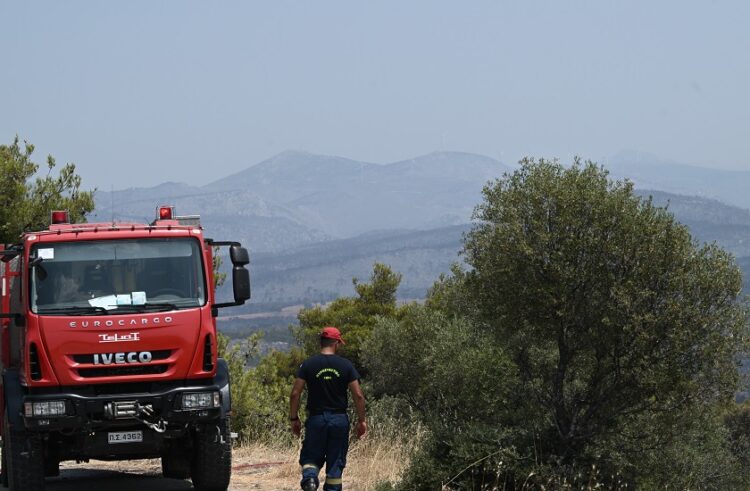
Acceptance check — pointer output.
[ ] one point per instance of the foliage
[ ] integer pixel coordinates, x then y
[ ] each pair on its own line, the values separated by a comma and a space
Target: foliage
737, 423
697, 456
220, 277
260, 395
590, 341
26, 204
454, 376
354, 316
603, 301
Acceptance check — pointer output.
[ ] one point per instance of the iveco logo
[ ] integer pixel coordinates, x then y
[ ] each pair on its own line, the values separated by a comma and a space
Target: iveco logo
122, 358
142, 322
119, 338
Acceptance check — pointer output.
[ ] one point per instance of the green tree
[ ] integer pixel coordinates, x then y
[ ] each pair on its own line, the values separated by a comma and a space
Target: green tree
589, 342
613, 315
26, 203
354, 316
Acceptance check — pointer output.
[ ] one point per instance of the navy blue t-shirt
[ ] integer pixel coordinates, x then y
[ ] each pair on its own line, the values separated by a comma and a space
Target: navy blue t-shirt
327, 378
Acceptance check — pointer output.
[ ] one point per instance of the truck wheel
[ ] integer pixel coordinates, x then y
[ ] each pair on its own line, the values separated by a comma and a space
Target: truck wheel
211, 467
175, 462
25, 459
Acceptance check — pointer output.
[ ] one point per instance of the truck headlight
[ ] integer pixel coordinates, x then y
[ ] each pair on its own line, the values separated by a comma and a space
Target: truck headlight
201, 400
44, 409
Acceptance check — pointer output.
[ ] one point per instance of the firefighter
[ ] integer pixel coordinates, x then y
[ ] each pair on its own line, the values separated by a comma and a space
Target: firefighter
327, 376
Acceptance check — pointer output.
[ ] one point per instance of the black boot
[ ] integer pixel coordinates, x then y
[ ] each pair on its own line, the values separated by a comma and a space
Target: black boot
309, 485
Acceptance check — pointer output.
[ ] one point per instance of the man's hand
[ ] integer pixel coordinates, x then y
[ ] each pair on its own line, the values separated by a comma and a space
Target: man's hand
296, 427
359, 403
299, 384
361, 429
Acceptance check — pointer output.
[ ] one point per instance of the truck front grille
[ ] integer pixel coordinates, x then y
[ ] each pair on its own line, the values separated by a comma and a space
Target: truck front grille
157, 355
122, 371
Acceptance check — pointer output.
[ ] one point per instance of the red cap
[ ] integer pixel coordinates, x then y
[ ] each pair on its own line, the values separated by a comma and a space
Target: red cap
331, 333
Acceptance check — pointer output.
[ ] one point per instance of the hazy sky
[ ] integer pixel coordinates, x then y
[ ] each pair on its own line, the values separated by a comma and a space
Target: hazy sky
139, 92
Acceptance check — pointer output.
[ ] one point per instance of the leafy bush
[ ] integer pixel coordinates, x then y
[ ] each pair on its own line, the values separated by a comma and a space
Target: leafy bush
459, 384
260, 395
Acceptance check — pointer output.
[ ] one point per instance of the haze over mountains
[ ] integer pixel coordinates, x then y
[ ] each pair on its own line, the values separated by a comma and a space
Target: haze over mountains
297, 198
650, 172
313, 222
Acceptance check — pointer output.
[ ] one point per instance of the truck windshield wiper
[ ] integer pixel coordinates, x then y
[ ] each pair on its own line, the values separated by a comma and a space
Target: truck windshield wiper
83, 310
147, 307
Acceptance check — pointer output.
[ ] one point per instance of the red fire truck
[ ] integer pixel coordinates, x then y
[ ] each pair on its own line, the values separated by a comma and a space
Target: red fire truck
108, 349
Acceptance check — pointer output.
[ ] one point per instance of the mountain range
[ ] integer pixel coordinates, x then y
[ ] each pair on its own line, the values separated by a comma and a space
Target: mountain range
314, 222
297, 198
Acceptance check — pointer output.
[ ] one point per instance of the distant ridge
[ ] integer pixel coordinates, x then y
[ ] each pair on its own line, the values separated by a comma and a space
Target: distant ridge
312, 222
649, 172
319, 196
297, 198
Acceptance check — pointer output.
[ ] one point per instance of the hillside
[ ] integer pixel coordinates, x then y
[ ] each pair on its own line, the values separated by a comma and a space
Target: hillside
650, 172
709, 220
297, 198
322, 271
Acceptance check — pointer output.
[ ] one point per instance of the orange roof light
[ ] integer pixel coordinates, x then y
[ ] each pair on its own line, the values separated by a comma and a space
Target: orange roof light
59, 217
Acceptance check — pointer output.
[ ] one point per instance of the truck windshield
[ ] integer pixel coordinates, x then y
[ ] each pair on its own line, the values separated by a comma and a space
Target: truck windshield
116, 276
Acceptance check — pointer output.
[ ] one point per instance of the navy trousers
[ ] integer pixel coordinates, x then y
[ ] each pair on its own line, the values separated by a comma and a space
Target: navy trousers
326, 441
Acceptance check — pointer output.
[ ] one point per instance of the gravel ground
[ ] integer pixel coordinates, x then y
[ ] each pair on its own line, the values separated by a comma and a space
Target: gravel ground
145, 475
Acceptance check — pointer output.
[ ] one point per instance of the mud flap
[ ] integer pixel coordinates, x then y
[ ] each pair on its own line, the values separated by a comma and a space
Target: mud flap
222, 380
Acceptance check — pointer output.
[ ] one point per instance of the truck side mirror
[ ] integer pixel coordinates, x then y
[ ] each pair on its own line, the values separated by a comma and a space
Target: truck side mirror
239, 255
241, 284
240, 275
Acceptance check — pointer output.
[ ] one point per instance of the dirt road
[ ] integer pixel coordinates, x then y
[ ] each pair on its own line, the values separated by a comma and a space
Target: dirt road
254, 468
146, 476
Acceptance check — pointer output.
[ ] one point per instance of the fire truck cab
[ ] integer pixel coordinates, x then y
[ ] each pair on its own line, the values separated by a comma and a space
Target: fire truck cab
108, 349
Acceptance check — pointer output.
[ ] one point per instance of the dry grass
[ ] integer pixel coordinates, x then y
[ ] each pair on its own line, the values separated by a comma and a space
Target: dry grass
369, 462
258, 467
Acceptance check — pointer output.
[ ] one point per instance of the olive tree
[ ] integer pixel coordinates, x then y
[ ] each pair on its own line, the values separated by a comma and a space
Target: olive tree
619, 323
26, 202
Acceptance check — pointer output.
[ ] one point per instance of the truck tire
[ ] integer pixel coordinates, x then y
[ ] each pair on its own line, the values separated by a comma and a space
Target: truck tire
25, 458
175, 462
211, 466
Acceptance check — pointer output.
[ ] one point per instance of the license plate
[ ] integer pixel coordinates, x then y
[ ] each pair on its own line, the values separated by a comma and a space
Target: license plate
125, 437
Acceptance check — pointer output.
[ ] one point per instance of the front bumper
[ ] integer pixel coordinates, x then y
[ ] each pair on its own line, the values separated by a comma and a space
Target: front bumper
88, 413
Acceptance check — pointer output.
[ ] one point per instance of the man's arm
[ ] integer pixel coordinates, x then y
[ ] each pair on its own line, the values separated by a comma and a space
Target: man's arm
359, 403
297, 388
